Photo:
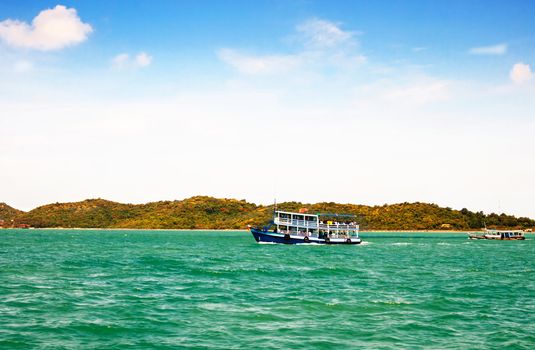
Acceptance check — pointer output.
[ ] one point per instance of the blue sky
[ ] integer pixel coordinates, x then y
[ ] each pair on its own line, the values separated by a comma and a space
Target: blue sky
365, 102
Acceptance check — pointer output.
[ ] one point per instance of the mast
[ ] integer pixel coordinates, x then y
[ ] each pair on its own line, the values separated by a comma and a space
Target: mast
275, 213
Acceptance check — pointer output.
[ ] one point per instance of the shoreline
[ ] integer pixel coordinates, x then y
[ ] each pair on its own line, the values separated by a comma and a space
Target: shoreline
223, 230
119, 229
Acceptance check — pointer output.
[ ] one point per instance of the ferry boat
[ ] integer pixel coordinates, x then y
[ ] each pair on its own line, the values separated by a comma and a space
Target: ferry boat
504, 235
302, 228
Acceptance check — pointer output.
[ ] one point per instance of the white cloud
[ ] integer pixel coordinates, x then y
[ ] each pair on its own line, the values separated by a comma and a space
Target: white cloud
322, 33
23, 66
258, 64
51, 29
405, 96
323, 47
419, 93
121, 60
498, 49
124, 61
431, 157
143, 59
520, 73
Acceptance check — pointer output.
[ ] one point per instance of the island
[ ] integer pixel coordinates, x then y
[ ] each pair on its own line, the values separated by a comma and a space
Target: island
203, 212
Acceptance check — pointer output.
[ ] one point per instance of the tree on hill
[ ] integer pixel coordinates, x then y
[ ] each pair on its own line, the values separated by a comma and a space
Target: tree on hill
7, 214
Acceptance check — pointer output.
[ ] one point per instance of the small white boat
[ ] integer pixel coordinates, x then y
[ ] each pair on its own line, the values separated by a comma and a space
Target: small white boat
503, 235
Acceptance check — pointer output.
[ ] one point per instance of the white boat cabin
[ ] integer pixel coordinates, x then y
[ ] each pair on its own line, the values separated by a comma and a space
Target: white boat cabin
316, 225
499, 234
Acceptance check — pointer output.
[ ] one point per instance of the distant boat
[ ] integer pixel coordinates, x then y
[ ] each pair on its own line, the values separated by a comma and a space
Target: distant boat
302, 228
504, 235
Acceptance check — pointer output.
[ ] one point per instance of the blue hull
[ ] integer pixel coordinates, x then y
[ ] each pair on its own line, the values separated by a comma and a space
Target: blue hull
262, 236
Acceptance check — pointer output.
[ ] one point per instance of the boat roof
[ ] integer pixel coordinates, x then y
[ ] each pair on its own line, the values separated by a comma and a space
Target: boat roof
294, 213
318, 214
337, 215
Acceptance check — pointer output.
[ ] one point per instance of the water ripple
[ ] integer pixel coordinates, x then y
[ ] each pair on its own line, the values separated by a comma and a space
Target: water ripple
220, 290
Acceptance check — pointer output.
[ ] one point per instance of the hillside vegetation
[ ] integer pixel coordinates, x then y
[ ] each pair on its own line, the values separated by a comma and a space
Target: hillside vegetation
213, 213
8, 213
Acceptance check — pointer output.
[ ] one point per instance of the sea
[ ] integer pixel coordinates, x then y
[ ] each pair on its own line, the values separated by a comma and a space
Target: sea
150, 289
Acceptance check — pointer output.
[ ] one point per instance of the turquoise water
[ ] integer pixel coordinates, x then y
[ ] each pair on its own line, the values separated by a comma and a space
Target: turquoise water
170, 289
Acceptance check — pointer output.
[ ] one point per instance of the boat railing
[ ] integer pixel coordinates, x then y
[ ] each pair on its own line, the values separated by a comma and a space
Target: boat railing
300, 223
314, 224
339, 227
331, 235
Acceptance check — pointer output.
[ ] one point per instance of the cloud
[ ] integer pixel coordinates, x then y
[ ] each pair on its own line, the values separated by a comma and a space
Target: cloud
51, 29
258, 64
23, 66
403, 96
322, 47
420, 93
121, 60
498, 49
322, 33
124, 61
143, 59
520, 73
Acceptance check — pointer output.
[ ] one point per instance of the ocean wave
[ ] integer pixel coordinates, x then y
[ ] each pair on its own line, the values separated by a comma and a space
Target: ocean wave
228, 292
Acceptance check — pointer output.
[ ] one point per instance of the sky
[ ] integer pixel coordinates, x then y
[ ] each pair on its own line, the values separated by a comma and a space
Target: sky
365, 102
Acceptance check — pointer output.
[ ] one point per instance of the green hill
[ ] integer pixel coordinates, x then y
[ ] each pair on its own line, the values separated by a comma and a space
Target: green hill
8, 213
96, 213
203, 212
